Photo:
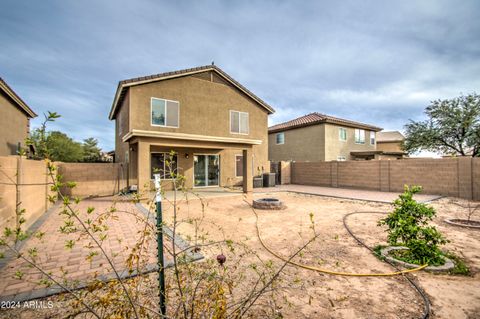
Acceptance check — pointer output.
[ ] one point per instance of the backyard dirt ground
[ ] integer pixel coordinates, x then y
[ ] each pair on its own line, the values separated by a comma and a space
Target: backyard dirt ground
328, 296
317, 295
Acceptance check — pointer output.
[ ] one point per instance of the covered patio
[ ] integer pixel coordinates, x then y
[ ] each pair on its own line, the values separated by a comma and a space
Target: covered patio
204, 161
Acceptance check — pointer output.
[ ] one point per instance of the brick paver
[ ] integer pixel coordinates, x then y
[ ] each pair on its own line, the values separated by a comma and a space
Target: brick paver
376, 196
123, 233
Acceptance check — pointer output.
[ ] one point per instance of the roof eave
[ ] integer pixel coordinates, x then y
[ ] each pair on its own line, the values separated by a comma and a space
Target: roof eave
20, 103
121, 86
372, 128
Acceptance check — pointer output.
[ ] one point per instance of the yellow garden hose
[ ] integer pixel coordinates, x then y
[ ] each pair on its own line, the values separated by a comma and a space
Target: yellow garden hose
326, 271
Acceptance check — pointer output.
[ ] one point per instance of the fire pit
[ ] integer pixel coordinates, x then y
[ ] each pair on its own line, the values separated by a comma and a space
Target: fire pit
268, 203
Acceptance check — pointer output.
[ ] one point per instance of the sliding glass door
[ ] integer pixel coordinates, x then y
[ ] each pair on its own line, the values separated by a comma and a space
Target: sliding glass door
206, 170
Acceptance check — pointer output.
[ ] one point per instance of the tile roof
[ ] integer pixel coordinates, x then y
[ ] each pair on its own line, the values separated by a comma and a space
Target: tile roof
124, 84
14, 96
390, 136
318, 118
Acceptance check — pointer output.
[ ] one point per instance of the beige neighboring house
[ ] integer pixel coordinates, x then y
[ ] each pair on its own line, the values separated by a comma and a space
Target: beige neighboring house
319, 137
15, 117
390, 141
217, 127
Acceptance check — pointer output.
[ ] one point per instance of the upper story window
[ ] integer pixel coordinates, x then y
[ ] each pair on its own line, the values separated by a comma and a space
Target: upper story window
359, 136
372, 138
342, 134
280, 138
239, 122
164, 113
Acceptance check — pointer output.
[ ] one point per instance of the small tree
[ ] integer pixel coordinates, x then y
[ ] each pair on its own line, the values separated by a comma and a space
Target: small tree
471, 208
452, 127
408, 226
91, 151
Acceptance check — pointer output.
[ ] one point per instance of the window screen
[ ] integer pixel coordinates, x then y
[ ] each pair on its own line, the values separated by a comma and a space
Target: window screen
235, 122
172, 113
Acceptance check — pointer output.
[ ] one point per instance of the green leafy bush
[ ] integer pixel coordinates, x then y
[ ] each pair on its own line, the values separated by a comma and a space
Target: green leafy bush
408, 226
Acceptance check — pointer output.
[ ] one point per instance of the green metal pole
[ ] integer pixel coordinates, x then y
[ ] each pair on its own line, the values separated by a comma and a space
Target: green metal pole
161, 269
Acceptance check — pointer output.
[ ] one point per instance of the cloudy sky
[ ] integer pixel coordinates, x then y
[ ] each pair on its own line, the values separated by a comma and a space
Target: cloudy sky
369, 61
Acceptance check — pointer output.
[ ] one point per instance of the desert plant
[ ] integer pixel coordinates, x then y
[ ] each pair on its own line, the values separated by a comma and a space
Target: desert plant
471, 208
408, 226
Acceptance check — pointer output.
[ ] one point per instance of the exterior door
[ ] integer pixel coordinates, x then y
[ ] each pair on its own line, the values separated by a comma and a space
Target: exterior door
206, 170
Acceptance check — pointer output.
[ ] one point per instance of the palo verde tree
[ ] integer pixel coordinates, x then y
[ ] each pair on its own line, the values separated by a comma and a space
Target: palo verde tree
452, 127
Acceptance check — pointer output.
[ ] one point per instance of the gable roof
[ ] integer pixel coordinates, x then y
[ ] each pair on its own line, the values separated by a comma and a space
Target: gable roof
125, 84
390, 136
18, 101
319, 118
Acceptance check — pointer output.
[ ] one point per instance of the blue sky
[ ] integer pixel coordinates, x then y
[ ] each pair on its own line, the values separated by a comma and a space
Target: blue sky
379, 62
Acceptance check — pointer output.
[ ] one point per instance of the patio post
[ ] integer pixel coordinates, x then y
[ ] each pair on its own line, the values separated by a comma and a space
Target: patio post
161, 269
247, 171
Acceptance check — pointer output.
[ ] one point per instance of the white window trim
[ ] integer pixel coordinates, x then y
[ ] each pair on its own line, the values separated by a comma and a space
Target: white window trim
248, 122
163, 179
236, 172
166, 111
340, 135
374, 138
360, 143
283, 138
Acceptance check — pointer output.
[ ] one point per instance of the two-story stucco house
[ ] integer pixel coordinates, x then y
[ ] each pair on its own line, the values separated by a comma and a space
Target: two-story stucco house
319, 137
216, 126
15, 117
391, 141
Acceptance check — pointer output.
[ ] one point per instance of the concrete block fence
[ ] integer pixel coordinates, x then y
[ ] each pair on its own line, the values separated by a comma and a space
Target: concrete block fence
458, 177
25, 184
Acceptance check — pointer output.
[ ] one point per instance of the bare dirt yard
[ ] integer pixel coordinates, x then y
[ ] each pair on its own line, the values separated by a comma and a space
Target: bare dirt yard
310, 294
326, 296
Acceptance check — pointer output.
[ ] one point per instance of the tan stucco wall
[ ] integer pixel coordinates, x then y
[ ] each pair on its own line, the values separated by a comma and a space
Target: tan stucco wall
121, 128
334, 147
389, 146
204, 110
14, 126
301, 144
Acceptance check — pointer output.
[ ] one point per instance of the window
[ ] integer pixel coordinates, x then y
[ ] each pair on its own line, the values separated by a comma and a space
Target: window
239, 165
159, 165
342, 134
238, 122
359, 136
164, 112
341, 158
372, 138
280, 138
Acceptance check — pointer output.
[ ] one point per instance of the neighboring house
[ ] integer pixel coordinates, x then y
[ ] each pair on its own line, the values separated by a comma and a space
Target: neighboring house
15, 117
217, 127
390, 141
320, 137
